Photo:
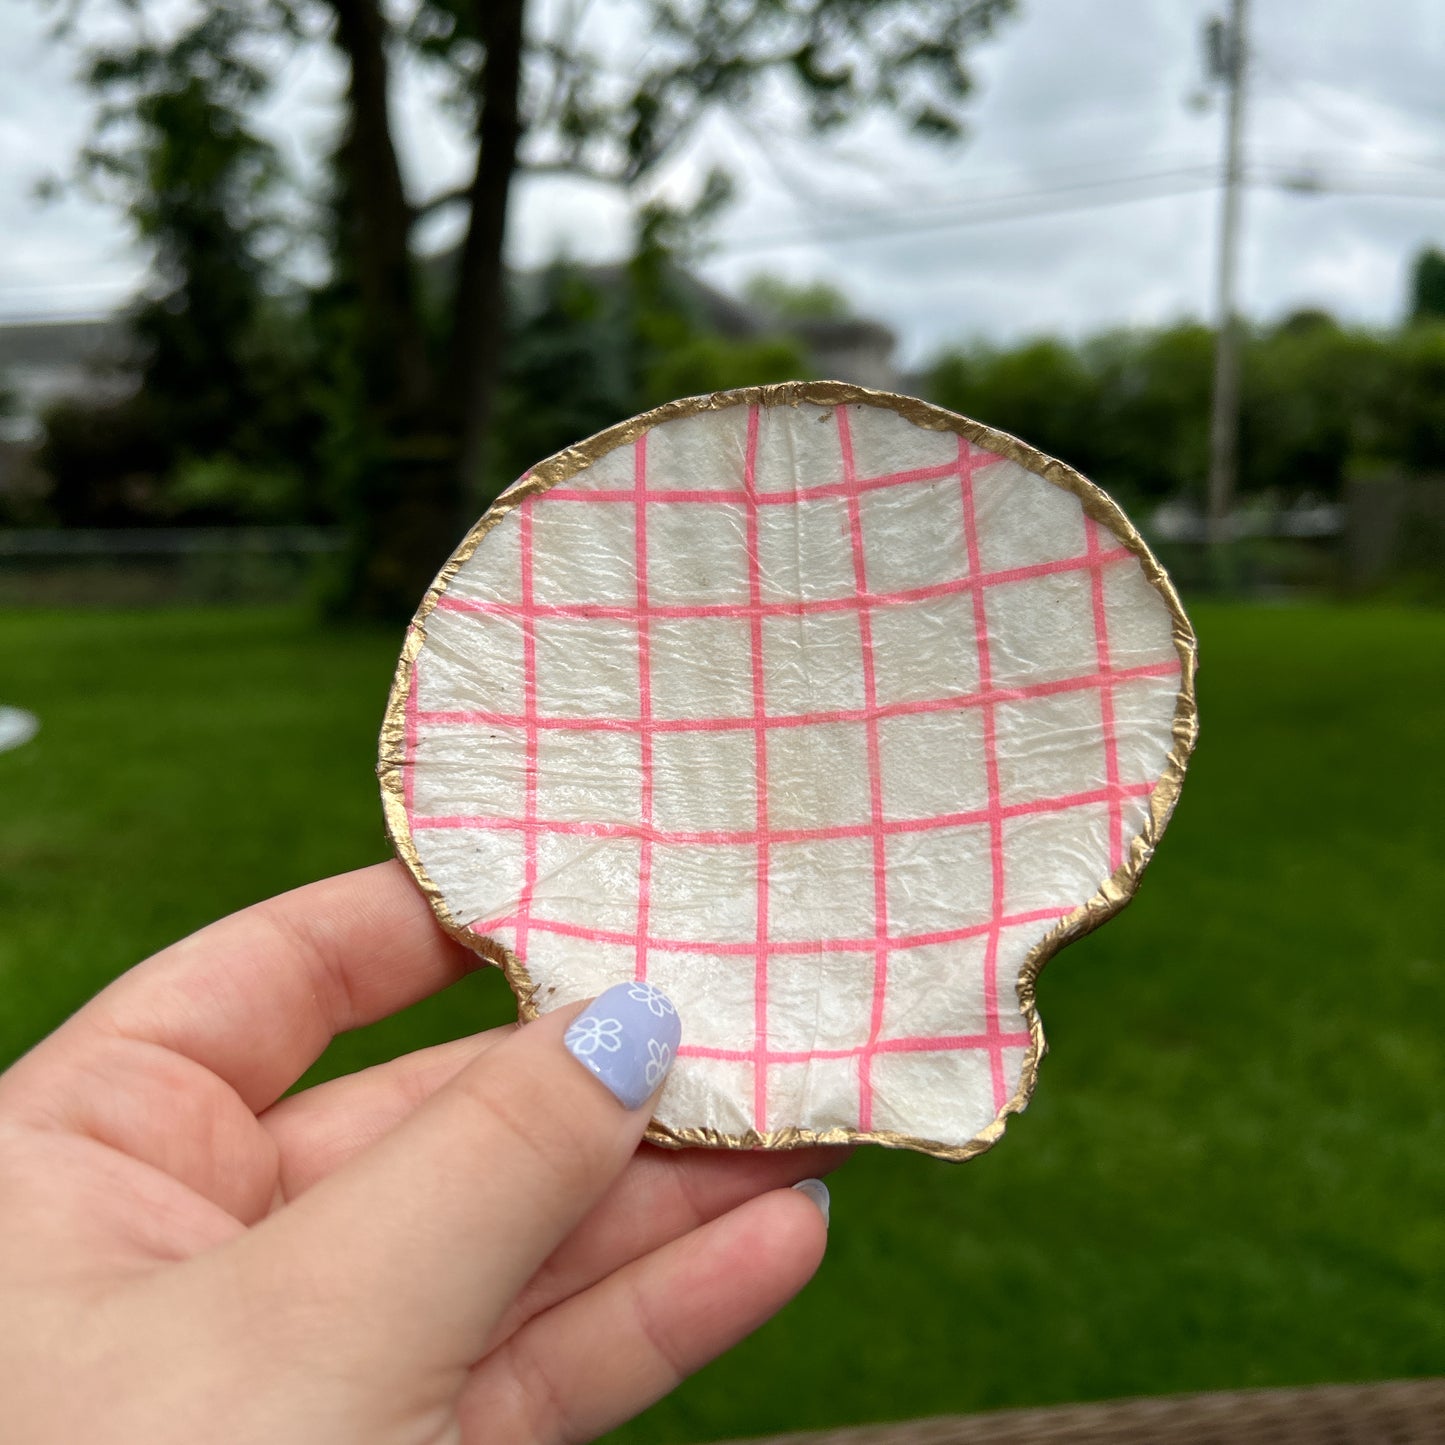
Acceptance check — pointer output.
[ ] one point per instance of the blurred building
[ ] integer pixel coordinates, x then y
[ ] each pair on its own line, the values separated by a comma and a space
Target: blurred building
43, 361
90, 359
848, 348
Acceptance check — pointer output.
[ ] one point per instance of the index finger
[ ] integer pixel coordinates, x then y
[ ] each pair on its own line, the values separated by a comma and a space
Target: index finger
256, 997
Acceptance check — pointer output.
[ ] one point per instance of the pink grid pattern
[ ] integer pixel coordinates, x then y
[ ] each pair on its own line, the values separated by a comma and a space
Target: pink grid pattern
760, 752
644, 706
529, 719
1106, 695
973, 581
875, 778
990, 758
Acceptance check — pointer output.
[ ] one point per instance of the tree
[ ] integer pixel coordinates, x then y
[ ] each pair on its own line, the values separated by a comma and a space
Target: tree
1412, 408
1153, 431
586, 346
798, 301
1313, 398
1427, 286
175, 146
416, 380
1130, 408
553, 102
1040, 390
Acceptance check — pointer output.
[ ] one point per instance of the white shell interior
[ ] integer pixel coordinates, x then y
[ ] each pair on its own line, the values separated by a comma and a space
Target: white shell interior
815, 718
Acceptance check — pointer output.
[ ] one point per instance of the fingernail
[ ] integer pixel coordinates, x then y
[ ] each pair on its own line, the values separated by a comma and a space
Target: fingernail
628, 1037
817, 1191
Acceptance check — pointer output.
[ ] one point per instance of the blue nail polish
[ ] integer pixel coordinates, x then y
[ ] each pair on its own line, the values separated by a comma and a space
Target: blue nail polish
628, 1037
817, 1191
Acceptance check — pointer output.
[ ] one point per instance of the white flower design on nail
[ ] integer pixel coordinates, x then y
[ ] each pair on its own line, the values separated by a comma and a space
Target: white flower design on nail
659, 1057
657, 1002
589, 1034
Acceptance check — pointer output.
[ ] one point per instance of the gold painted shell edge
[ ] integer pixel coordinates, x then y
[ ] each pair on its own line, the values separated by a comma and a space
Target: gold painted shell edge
1113, 894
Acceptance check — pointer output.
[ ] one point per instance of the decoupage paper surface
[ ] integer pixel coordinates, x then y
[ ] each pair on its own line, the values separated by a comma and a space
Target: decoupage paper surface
827, 712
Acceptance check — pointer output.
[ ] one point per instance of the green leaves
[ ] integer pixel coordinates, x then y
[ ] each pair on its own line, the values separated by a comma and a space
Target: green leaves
245, 369
1130, 408
1427, 286
820, 64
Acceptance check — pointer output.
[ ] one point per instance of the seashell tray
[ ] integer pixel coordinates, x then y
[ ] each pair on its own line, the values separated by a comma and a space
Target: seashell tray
829, 712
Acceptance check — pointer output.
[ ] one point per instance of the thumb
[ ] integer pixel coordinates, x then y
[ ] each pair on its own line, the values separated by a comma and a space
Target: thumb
414, 1249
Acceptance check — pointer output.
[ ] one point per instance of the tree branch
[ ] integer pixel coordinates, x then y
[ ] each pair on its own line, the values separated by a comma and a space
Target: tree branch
441, 201
582, 170
552, 166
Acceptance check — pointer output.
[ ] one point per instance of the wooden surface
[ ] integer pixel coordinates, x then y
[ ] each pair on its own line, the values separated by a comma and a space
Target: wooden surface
1401, 1412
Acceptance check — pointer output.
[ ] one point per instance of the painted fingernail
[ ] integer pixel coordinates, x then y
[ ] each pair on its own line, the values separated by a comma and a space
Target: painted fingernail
817, 1191
628, 1037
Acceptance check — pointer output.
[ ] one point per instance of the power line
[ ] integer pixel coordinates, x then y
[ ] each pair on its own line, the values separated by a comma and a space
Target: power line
1332, 120
1307, 182
984, 209
1299, 179
1303, 178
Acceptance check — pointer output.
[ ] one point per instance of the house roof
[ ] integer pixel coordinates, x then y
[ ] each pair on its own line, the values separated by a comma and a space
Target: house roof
59, 343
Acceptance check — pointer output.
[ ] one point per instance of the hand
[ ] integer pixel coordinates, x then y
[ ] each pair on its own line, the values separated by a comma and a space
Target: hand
463, 1244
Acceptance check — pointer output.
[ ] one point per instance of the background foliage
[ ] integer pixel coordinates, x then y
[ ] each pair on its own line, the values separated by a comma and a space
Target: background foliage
1132, 408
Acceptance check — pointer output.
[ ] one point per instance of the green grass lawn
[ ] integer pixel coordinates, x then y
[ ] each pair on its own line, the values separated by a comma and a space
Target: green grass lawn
1234, 1169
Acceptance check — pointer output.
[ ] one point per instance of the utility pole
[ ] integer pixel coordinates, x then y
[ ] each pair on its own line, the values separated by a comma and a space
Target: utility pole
1228, 54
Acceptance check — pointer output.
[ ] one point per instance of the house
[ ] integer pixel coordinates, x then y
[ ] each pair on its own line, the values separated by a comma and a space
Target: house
850, 348
43, 361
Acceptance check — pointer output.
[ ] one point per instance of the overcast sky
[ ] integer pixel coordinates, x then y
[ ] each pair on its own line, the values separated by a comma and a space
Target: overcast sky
1074, 98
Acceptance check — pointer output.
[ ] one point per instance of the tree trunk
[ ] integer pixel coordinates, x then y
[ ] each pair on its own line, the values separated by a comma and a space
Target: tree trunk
403, 492
480, 319
376, 219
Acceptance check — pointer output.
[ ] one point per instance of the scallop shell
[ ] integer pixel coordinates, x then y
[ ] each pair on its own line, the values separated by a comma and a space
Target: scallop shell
829, 712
